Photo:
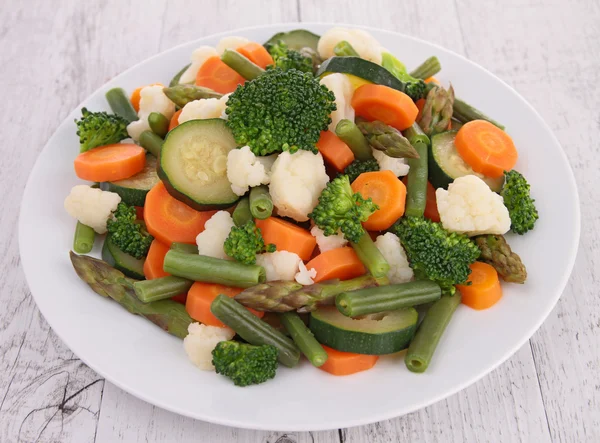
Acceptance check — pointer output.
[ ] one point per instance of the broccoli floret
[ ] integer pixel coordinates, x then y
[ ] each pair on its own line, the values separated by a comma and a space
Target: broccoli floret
245, 364
435, 253
245, 242
519, 203
100, 128
280, 111
357, 167
339, 208
127, 234
287, 59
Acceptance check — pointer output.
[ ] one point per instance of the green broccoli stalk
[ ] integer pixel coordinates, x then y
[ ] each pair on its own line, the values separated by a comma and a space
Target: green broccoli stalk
100, 128
518, 201
287, 59
435, 253
339, 208
357, 167
245, 364
244, 242
129, 235
280, 111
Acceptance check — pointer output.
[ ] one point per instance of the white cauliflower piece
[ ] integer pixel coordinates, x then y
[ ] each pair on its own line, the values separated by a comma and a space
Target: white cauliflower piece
469, 206
199, 56
305, 276
342, 88
393, 252
91, 206
330, 242
279, 265
363, 43
200, 342
152, 99
216, 230
245, 170
296, 183
386, 163
232, 42
203, 109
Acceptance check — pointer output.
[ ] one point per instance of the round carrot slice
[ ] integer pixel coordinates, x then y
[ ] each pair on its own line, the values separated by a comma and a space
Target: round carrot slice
110, 163
257, 54
346, 363
392, 107
484, 289
342, 263
216, 75
174, 120
153, 265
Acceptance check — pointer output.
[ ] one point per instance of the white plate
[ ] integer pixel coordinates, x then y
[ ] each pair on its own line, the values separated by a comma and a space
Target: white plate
150, 364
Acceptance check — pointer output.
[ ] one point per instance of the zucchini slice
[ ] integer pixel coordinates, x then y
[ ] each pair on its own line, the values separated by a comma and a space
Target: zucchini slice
362, 68
446, 165
128, 265
375, 334
193, 164
133, 190
296, 39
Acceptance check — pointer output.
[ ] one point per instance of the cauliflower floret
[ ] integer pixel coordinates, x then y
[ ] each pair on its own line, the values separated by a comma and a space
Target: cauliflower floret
364, 43
91, 206
216, 230
246, 170
342, 88
328, 243
305, 276
199, 56
280, 265
203, 109
200, 342
232, 42
296, 183
469, 206
393, 252
386, 163
152, 99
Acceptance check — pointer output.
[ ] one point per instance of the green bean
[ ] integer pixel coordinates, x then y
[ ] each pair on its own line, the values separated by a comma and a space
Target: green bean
349, 133
261, 204
213, 270
151, 143
387, 298
427, 69
184, 247
241, 214
175, 80
304, 338
241, 64
345, 49
158, 123
83, 240
120, 104
430, 331
370, 256
464, 113
416, 193
161, 288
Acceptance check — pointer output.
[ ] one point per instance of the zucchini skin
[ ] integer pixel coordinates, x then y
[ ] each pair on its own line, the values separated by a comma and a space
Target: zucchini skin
110, 255
129, 196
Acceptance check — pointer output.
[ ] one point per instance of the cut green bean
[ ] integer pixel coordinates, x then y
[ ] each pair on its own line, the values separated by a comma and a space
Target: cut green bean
213, 270
416, 192
345, 49
387, 298
241, 64
120, 104
370, 256
430, 331
83, 240
304, 338
427, 69
161, 288
175, 80
464, 113
260, 202
158, 123
253, 329
184, 247
241, 214
349, 133
151, 143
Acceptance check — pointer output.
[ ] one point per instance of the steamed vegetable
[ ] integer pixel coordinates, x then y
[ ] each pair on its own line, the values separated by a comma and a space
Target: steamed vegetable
387, 139
336, 153
427, 69
245, 242
201, 341
151, 99
341, 262
347, 363
392, 251
357, 167
350, 134
216, 75
495, 251
345, 49
392, 107
343, 90
120, 104
464, 113
241, 214
161, 288
286, 58
518, 201
370, 256
83, 240
181, 95
159, 124
91, 206
482, 290
245, 170
362, 42
100, 128
110, 162
245, 364
240, 64
437, 111
304, 339
261, 204
256, 53
128, 235
287, 236
416, 192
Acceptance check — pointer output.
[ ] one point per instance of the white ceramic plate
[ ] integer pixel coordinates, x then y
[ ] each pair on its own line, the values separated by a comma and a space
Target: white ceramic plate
150, 364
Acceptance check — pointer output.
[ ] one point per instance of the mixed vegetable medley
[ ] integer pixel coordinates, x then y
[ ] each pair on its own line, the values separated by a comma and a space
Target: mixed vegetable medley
298, 197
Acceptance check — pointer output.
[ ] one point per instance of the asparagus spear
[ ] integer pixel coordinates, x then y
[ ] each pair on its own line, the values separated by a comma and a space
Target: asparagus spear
496, 252
387, 139
181, 95
284, 296
437, 111
108, 282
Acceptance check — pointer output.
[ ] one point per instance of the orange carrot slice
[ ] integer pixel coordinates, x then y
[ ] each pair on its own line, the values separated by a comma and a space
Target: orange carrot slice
216, 75
342, 263
346, 363
257, 54
110, 163
484, 290
392, 107
153, 266
287, 236
175, 120
335, 152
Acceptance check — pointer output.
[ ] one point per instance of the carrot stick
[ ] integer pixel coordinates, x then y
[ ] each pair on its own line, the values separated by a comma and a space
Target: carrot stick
431, 210
153, 266
346, 363
110, 163
170, 220
484, 290
287, 236
388, 192
334, 151
174, 120
200, 297
257, 54
486, 148
342, 263
216, 75
392, 107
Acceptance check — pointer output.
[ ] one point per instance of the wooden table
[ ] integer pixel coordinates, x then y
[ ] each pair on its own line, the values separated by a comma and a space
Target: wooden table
54, 54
